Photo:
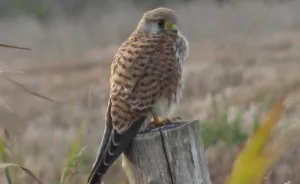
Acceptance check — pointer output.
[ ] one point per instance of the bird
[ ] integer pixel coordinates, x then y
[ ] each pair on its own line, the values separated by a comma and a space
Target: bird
146, 83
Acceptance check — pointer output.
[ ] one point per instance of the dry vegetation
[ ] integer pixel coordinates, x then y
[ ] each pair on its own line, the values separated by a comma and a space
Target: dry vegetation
241, 56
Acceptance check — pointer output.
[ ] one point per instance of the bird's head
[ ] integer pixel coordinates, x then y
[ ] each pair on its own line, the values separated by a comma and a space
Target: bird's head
159, 20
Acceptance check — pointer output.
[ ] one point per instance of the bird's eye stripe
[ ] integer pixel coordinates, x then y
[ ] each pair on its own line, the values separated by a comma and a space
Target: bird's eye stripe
161, 23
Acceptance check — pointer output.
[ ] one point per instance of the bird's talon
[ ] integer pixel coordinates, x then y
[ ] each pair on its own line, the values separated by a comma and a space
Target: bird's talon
175, 119
158, 123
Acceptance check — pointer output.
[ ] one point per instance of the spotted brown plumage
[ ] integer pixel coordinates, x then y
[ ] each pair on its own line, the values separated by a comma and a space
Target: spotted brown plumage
146, 81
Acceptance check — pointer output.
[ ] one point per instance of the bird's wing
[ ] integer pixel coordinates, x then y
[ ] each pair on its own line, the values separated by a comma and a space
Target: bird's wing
105, 140
144, 71
112, 145
140, 74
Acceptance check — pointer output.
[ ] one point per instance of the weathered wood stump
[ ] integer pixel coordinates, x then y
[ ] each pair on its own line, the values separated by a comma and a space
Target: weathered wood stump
172, 154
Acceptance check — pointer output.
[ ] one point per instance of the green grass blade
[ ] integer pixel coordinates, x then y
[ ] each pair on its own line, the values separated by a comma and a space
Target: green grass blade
4, 166
4, 156
7, 176
73, 153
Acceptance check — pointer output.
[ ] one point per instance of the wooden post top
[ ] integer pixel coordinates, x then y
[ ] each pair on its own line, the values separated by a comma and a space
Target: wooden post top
172, 154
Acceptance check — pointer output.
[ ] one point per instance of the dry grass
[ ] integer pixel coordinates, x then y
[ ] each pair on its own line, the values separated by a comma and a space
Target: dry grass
244, 54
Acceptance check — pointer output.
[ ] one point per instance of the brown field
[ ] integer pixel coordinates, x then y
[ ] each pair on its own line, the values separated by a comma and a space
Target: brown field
244, 53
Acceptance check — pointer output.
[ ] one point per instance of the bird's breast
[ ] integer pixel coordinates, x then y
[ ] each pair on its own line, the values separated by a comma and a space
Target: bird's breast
163, 107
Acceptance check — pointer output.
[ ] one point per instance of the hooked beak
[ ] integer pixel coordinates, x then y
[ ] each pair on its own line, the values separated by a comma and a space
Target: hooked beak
171, 27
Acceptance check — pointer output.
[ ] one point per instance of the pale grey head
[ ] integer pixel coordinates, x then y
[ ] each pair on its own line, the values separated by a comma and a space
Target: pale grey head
159, 20
165, 20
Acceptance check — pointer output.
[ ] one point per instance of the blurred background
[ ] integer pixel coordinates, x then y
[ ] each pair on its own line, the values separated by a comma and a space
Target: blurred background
243, 53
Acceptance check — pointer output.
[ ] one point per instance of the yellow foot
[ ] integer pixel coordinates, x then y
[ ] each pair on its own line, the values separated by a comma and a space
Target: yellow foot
157, 123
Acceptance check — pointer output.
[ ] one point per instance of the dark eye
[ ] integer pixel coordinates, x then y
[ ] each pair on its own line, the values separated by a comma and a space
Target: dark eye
161, 23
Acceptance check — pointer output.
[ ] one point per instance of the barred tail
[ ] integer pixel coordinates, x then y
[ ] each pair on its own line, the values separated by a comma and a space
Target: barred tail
113, 144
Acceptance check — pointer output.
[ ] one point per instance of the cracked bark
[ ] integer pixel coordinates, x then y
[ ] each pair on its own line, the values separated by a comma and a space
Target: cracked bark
170, 155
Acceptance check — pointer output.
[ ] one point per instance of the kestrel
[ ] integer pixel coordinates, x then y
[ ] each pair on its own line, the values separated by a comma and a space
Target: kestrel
145, 82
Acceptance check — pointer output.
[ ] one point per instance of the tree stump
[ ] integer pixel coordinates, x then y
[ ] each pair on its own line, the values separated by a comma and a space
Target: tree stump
172, 154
